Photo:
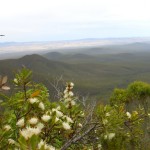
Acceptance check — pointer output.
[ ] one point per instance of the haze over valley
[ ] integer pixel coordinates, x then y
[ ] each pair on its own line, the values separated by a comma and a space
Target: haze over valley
95, 66
107, 45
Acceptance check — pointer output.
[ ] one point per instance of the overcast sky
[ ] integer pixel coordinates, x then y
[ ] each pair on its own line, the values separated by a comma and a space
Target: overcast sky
52, 20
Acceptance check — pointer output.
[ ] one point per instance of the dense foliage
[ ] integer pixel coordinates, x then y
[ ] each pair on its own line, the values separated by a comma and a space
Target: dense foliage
29, 120
95, 75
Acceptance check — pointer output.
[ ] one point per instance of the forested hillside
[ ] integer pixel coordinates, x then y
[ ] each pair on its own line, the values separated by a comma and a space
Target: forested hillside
94, 75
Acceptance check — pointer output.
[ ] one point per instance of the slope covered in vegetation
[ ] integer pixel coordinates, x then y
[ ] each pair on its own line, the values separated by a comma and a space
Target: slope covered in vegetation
30, 120
96, 76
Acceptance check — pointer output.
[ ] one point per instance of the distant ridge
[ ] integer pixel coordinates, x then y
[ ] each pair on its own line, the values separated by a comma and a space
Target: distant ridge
65, 46
34, 62
53, 55
96, 75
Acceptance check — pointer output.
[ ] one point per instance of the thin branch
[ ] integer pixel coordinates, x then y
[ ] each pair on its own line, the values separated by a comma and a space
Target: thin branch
88, 126
56, 86
25, 113
76, 138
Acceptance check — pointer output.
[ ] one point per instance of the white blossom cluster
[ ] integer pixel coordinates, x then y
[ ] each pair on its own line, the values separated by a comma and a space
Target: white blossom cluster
7, 127
33, 121
68, 95
62, 118
11, 141
43, 145
20, 122
15, 80
128, 115
35, 125
36, 101
28, 132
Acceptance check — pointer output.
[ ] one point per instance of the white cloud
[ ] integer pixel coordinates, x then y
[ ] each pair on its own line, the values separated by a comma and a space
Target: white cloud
76, 9
57, 18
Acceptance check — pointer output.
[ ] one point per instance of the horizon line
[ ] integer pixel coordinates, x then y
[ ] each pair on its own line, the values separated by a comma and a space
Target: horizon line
136, 37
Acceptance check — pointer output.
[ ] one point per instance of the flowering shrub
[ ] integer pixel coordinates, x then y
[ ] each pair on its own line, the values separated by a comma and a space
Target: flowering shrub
31, 121
119, 129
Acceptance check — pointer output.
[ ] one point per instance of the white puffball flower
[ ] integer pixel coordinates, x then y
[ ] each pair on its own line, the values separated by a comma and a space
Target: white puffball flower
40, 125
7, 127
82, 114
25, 133
54, 109
35, 131
66, 95
65, 91
111, 136
70, 93
67, 100
46, 118
41, 106
71, 84
16, 81
66, 126
59, 114
69, 120
128, 115
33, 100
33, 121
80, 125
11, 141
73, 103
56, 119
49, 147
29, 132
45, 146
42, 143
20, 122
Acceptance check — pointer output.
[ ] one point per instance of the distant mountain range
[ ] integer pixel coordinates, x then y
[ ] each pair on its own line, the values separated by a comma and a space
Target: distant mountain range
15, 49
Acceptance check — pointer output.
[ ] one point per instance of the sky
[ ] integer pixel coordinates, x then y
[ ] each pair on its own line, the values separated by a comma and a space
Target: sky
55, 20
